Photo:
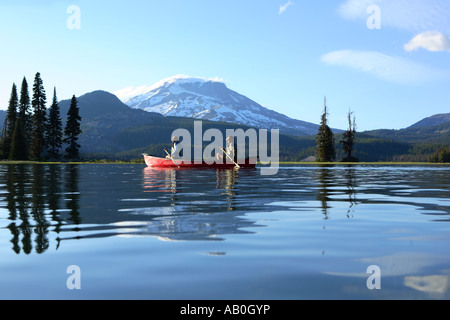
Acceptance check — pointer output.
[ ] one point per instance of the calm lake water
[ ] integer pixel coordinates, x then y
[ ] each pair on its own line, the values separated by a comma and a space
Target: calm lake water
308, 232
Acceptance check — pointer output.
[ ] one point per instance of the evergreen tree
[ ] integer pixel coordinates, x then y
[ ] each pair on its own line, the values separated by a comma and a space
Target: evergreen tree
444, 156
73, 130
325, 140
25, 112
19, 142
348, 139
2, 139
39, 118
10, 122
54, 129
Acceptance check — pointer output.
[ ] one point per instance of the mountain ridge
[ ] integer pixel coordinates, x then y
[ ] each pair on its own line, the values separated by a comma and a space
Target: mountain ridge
112, 130
434, 120
212, 100
125, 133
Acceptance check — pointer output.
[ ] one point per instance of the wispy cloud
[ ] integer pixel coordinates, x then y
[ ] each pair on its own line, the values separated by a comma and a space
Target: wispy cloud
388, 68
411, 15
431, 40
284, 7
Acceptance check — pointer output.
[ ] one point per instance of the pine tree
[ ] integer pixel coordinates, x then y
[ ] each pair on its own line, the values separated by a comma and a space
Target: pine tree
348, 139
441, 155
39, 118
325, 140
54, 129
19, 142
25, 112
10, 122
444, 156
73, 130
2, 140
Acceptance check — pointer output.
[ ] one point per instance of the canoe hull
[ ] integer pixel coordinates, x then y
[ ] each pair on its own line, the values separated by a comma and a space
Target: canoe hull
156, 162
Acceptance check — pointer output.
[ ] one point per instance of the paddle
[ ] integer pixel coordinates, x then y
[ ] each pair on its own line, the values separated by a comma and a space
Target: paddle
171, 158
237, 166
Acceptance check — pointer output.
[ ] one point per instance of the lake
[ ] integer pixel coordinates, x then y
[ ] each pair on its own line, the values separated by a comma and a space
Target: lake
309, 232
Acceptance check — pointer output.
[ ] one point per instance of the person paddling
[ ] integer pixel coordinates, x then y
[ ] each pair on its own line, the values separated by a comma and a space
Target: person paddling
230, 152
231, 148
175, 143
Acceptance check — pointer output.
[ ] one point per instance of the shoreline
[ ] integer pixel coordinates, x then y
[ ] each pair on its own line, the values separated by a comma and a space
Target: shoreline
367, 163
6, 162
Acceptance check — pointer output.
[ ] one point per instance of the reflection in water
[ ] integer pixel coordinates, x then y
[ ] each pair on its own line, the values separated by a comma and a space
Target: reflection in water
43, 202
194, 209
38, 209
32, 199
274, 226
54, 196
73, 194
324, 193
434, 285
226, 180
350, 177
17, 207
160, 180
331, 183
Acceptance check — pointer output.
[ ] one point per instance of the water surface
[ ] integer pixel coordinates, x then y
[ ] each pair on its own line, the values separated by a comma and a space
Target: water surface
308, 232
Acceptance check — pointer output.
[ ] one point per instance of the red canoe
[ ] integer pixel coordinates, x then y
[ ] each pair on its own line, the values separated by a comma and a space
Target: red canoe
155, 162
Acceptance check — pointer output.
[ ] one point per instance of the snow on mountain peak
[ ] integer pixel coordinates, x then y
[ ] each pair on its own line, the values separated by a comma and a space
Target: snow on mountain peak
130, 93
211, 99
181, 78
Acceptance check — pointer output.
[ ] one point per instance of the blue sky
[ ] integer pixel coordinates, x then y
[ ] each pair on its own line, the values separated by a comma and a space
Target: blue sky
286, 55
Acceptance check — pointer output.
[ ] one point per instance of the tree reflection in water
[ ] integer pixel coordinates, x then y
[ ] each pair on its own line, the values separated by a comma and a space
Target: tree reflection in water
33, 202
350, 177
43, 202
333, 182
38, 209
324, 192
73, 194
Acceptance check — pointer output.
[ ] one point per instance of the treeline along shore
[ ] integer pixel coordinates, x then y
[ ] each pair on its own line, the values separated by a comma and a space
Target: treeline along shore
98, 128
33, 132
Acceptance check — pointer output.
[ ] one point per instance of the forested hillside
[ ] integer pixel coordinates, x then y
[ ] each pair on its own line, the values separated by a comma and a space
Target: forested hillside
112, 130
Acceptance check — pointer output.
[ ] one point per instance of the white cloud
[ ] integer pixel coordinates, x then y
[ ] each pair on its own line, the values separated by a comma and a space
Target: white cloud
431, 40
284, 7
389, 68
411, 15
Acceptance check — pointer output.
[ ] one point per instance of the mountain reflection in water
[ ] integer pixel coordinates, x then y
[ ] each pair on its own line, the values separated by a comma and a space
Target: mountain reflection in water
234, 233
45, 205
58, 202
183, 210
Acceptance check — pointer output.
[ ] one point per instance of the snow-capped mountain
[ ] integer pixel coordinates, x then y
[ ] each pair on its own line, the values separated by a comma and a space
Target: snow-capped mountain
198, 98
